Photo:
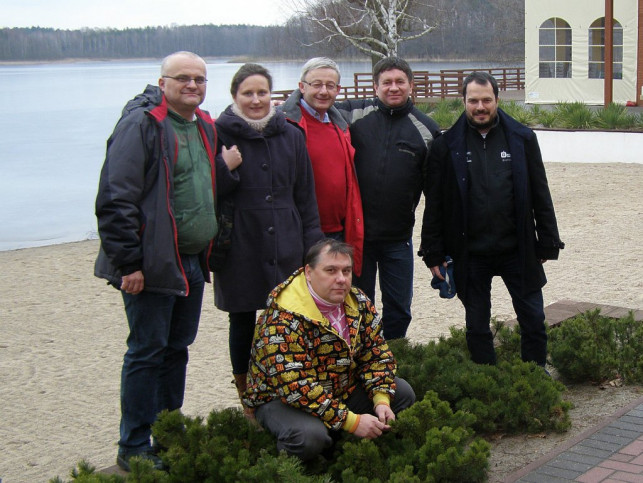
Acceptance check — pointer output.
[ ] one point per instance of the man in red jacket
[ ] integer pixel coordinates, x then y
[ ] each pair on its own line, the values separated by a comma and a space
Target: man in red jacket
329, 146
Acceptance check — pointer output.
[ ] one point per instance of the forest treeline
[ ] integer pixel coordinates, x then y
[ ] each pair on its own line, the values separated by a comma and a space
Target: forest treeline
467, 29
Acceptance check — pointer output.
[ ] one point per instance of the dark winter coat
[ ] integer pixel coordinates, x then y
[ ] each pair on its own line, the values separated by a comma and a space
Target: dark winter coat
444, 230
275, 211
391, 153
135, 196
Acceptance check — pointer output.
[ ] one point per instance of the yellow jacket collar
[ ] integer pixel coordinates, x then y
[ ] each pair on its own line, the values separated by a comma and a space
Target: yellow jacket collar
296, 298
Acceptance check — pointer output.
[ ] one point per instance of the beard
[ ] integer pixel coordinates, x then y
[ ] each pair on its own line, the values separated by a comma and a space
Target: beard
482, 125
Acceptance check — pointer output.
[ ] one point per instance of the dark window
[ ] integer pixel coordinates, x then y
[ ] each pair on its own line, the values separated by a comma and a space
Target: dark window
555, 54
596, 54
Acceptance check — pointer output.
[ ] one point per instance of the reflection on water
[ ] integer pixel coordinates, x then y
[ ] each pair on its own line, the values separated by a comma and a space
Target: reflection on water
57, 118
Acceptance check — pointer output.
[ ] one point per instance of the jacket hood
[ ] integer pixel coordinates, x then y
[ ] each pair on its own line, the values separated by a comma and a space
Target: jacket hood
292, 110
151, 97
152, 101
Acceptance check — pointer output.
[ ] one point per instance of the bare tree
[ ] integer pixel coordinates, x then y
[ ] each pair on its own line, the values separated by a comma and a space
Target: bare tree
375, 27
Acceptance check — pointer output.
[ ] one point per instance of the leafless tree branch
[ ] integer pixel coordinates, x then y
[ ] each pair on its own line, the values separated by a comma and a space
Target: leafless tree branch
375, 27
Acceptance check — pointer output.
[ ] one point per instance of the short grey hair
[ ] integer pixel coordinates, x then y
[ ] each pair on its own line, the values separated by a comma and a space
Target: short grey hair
182, 53
319, 63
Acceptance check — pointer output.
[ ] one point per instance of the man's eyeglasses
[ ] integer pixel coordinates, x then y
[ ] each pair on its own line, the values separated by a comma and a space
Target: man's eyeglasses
186, 79
317, 85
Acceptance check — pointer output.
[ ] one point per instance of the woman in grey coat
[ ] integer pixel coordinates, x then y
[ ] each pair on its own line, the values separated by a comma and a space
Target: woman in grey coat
275, 218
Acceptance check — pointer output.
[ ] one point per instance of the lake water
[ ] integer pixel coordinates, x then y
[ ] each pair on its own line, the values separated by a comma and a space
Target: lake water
57, 118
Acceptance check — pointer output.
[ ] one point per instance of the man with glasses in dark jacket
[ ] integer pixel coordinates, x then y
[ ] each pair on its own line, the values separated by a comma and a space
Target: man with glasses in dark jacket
156, 220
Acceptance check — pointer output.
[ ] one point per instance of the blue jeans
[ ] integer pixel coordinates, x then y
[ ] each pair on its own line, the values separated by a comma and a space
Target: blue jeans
154, 367
303, 435
477, 304
395, 263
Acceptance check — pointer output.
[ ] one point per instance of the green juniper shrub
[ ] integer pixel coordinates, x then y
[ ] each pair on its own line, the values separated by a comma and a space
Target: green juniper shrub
507, 340
215, 451
512, 396
418, 437
86, 473
404, 475
142, 472
435, 439
283, 468
591, 347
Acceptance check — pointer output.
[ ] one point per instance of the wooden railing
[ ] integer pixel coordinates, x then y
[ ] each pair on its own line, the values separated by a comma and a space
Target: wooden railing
429, 85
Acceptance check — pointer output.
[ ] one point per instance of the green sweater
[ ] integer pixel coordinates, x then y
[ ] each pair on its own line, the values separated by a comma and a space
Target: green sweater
194, 205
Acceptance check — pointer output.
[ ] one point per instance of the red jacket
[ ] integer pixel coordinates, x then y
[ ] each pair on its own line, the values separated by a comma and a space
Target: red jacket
354, 219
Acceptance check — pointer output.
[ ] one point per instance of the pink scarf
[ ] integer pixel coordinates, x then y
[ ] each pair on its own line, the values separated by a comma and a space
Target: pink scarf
335, 314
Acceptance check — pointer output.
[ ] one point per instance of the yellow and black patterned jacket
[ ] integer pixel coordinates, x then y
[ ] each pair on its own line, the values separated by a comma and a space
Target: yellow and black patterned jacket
299, 358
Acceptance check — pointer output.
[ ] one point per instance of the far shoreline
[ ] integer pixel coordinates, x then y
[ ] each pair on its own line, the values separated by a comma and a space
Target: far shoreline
231, 60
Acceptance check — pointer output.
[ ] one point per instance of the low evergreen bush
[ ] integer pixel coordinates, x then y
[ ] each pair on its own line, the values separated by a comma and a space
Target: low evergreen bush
591, 347
512, 396
544, 117
575, 115
614, 116
445, 115
565, 115
437, 439
427, 442
519, 112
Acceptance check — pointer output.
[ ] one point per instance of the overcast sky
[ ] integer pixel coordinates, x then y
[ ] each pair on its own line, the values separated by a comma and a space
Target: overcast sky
75, 14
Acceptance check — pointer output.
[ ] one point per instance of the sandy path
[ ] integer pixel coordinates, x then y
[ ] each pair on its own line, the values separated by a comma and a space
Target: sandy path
62, 331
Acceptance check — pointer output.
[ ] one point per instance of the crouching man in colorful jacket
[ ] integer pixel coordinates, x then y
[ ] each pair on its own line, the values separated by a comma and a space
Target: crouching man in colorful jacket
319, 361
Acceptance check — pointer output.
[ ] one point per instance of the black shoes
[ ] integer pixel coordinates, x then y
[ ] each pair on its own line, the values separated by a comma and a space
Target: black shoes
123, 460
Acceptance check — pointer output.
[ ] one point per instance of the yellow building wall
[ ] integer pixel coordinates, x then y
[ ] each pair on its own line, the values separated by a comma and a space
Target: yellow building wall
579, 14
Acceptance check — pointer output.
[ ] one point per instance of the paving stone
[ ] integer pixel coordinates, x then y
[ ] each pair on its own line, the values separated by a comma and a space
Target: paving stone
559, 472
563, 463
582, 448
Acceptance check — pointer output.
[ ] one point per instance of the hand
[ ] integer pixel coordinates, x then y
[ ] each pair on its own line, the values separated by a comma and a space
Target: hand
232, 157
370, 427
384, 413
435, 271
133, 283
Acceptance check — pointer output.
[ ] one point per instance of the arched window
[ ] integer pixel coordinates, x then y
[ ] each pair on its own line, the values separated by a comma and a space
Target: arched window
555, 41
597, 49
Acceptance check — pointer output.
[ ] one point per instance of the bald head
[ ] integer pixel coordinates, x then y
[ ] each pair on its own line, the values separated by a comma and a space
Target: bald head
183, 82
167, 62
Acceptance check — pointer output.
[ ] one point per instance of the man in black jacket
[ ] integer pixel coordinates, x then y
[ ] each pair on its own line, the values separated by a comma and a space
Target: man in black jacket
392, 140
156, 220
489, 208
